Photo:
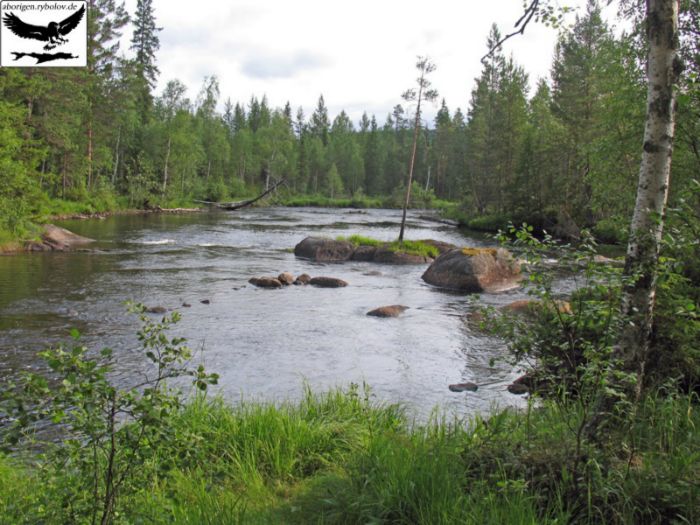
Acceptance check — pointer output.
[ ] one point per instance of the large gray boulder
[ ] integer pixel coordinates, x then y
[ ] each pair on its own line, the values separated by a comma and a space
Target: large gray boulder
474, 270
58, 239
322, 249
364, 253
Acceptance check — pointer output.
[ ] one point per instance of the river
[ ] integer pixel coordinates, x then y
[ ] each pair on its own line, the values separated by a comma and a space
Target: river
264, 344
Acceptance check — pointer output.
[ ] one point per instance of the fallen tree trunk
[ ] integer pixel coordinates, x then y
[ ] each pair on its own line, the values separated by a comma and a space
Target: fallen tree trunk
230, 206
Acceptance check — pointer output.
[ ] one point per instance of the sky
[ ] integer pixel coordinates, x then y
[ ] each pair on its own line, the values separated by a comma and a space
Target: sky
360, 55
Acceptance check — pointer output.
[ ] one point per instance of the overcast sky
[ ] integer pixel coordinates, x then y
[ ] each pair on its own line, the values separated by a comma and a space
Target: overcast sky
360, 55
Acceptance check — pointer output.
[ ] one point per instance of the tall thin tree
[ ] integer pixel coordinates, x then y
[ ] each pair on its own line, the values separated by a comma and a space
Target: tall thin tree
425, 67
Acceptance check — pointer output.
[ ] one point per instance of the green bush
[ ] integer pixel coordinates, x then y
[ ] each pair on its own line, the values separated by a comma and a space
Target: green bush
613, 230
489, 223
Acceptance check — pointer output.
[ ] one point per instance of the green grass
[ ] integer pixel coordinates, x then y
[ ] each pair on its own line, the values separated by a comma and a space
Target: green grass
360, 240
415, 248
419, 248
339, 458
321, 201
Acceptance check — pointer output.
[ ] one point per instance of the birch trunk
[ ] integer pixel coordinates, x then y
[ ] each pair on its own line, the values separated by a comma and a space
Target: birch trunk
116, 158
89, 153
165, 167
639, 290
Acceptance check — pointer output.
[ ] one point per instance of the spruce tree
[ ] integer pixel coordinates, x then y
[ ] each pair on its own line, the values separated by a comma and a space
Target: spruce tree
145, 41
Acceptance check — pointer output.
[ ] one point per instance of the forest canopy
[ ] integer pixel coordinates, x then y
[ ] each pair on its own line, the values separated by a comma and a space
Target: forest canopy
564, 154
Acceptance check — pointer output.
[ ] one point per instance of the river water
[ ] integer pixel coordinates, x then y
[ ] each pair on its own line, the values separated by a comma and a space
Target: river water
265, 344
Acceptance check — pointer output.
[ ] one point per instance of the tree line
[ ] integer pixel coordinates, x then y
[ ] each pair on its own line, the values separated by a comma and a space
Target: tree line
566, 154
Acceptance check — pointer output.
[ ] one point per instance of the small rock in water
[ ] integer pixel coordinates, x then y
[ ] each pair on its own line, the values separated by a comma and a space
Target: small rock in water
186, 305
328, 282
393, 310
304, 278
156, 309
205, 301
518, 389
464, 387
285, 278
265, 282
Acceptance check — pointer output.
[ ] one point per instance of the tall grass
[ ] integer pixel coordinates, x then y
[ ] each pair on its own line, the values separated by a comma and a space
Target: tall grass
339, 458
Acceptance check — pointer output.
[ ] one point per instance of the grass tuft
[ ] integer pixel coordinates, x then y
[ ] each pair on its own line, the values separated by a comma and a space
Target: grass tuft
420, 248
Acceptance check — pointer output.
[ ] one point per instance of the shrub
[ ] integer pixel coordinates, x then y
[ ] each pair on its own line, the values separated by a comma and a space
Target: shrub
611, 230
108, 435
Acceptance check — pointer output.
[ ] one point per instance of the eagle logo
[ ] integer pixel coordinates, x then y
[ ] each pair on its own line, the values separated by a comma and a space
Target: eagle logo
53, 33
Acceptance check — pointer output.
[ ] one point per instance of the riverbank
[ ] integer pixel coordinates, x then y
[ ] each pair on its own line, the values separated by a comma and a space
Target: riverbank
342, 458
59, 210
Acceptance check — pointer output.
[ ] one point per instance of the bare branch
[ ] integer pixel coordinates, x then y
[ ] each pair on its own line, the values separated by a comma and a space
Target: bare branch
520, 26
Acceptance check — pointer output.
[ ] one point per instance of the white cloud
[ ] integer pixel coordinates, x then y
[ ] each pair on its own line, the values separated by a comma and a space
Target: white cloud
359, 55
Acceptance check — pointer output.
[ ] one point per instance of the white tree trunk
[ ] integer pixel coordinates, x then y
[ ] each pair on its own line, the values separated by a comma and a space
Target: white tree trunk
639, 285
165, 167
639, 292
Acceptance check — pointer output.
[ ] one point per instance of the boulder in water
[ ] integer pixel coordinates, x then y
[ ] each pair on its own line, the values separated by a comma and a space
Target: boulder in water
464, 387
285, 278
393, 310
304, 278
55, 238
322, 249
155, 309
265, 282
474, 270
327, 282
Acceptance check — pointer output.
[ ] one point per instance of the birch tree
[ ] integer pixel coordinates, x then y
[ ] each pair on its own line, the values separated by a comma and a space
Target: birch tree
646, 228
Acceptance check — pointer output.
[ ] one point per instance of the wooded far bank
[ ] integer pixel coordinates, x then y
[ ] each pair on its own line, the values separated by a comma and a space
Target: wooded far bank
564, 156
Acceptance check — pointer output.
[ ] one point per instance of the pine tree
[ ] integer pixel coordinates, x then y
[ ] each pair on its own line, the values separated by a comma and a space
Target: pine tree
374, 160
442, 149
577, 102
105, 22
145, 43
483, 132
424, 93
320, 123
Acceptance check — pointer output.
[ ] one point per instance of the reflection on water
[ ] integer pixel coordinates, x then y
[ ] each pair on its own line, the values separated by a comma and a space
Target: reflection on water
264, 343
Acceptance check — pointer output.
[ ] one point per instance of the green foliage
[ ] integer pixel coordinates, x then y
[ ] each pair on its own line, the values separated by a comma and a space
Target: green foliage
611, 230
108, 434
567, 343
358, 202
420, 248
676, 337
18, 157
415, 248
342, 458
360, 240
